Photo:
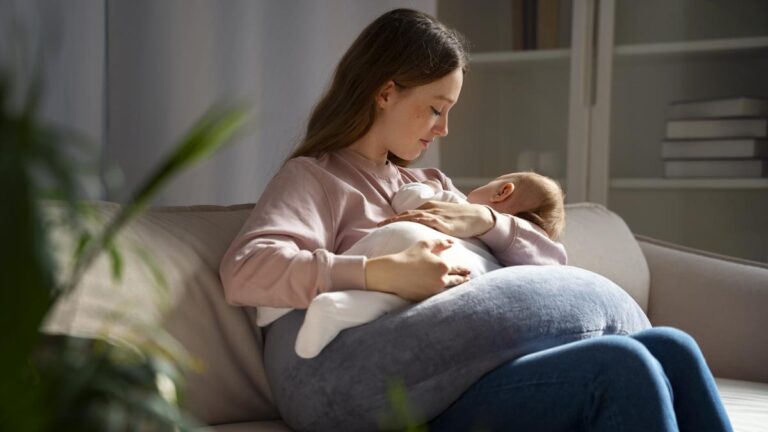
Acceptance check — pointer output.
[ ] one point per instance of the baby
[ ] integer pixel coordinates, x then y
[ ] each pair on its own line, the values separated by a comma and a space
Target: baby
526, 195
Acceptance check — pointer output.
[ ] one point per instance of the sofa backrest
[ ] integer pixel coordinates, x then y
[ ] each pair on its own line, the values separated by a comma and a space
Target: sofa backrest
187, 244
598, 240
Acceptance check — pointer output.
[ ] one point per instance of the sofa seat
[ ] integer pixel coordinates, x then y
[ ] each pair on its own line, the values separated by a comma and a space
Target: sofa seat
746, 403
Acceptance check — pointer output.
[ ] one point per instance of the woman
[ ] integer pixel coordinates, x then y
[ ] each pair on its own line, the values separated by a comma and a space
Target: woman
390, 97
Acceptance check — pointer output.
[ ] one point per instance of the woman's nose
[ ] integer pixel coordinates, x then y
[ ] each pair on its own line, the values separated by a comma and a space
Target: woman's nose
441, 126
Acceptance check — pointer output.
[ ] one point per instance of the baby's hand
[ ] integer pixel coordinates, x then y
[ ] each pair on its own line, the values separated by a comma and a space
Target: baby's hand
434, 184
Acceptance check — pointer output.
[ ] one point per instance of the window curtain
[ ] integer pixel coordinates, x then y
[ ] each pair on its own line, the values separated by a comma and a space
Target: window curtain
133, 75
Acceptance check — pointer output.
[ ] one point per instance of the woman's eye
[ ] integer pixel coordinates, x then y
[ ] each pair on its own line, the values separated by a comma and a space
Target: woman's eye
436, 112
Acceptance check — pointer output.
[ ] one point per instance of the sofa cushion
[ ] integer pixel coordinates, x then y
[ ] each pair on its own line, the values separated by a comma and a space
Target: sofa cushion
746, 404
598, 240
187, 244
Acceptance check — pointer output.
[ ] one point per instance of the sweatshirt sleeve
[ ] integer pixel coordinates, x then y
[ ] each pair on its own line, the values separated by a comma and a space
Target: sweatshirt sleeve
281, 257
516, 241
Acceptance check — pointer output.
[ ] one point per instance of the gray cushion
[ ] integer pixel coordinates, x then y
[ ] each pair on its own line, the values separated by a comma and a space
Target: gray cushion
439, 347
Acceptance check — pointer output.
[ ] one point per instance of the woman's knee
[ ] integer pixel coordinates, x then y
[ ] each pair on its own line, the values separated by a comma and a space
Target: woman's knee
668, 341
621, 352
625, 362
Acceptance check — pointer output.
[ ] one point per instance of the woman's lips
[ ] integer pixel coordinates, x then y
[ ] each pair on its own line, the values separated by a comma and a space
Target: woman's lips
426, 143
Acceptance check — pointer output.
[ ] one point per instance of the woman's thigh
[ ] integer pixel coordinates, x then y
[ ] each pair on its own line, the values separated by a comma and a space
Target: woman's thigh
609, 383
438, 348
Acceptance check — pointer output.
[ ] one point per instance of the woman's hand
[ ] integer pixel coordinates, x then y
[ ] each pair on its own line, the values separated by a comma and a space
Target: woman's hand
416, 273
455, 219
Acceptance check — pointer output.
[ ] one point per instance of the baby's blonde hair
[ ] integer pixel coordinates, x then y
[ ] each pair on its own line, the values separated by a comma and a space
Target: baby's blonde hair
549, 209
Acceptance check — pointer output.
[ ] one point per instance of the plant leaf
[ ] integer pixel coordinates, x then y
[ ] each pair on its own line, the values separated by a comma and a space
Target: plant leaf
116, 258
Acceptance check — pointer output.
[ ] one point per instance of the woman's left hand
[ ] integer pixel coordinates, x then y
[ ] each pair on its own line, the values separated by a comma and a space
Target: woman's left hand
455, 219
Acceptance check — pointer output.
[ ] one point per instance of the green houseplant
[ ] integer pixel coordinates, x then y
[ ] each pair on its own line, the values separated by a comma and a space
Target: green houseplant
66, 382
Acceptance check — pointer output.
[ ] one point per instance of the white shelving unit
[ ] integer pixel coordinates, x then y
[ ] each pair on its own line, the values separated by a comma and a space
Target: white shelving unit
693, 183
597, 104
722, 50
714, 46
468, 183
515, 58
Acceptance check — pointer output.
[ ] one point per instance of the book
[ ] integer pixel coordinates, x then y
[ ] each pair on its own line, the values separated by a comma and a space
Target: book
718, 128
723, 107
715, 149
518, 25
716, 168
530, 10
547, 18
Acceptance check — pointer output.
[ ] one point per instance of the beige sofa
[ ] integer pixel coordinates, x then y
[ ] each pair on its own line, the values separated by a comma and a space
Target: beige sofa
721, 301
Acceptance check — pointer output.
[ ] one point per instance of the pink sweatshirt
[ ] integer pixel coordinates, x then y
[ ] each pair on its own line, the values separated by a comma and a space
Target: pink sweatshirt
288, 251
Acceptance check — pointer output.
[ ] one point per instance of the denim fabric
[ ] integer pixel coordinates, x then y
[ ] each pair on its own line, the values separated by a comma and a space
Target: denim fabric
655, 380
439, 347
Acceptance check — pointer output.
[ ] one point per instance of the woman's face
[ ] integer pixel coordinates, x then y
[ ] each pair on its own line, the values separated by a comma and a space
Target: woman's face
410, 119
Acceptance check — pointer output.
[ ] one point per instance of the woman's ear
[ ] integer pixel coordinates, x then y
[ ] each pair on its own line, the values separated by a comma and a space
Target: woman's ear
503, 192
385, 94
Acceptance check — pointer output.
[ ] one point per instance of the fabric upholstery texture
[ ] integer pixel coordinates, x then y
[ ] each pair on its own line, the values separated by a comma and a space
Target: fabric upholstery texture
599, 240
187, 245
728, 324
746, 403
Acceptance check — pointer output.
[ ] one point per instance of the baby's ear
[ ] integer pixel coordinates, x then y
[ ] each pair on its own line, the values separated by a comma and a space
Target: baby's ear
503, 192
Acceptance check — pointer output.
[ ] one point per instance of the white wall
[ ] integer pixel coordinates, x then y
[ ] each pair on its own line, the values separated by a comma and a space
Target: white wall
64, 40
133, 75
170, 60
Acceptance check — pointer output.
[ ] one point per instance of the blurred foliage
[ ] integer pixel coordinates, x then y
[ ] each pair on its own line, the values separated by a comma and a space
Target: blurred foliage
403, 417
69, 382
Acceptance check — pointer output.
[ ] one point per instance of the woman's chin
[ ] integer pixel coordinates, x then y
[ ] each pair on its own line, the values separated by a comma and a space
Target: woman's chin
410, 157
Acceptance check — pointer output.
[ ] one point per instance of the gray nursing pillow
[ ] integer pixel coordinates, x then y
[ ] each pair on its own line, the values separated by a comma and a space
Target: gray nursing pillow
439, 347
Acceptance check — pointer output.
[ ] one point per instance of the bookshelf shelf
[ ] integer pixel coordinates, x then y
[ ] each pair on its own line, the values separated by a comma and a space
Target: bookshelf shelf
692, 183
469, 183
713, 46
649, 183
506, 58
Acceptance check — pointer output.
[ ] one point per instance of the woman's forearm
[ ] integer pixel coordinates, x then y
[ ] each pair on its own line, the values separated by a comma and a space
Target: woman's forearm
268, 271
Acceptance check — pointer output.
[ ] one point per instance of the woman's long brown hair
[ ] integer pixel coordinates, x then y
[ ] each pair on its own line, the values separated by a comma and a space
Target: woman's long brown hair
406, 46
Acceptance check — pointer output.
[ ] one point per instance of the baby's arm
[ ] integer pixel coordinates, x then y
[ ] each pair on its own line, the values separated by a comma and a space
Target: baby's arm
411, 196
414, 195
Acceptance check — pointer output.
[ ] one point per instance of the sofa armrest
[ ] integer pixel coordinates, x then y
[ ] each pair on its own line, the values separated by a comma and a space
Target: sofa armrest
721, 301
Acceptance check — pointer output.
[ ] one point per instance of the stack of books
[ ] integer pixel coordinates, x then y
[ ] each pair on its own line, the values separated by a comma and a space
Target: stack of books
726, 137
535, 24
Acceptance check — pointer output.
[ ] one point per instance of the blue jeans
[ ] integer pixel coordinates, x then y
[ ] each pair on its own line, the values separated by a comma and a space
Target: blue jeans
654, 380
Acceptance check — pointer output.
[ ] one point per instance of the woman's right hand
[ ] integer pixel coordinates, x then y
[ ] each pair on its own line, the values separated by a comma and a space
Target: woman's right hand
416, 273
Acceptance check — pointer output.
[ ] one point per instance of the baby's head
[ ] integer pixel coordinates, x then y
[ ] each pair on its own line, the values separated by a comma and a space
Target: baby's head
527, 195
